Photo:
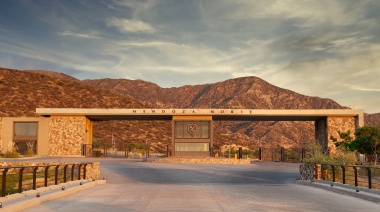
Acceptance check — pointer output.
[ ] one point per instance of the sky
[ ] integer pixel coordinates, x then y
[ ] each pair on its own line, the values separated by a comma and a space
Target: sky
325, 48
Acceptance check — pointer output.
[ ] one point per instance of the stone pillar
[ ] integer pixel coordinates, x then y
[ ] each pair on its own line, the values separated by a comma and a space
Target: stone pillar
68, 134
330, 126
321, 132
339, 124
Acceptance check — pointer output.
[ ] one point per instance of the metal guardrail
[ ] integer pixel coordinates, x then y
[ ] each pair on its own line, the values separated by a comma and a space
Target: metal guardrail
359, 176
17, 179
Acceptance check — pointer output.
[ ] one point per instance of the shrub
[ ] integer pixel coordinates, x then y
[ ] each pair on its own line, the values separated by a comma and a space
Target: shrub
11, 154
341, 156
13, 151
97, 153
30, 149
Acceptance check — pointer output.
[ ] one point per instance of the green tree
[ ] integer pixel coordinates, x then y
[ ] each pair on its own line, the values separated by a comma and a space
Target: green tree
367, 141
96, 144
345, 139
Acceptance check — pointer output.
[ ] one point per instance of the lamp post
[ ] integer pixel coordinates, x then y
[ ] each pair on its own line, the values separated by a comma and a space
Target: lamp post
229, 151
113, 145
258, 143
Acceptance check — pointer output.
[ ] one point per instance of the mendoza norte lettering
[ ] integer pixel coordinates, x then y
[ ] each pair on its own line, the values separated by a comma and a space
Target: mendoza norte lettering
192, 111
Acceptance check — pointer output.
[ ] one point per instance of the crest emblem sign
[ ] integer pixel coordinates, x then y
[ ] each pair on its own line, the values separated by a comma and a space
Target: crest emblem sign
192, 128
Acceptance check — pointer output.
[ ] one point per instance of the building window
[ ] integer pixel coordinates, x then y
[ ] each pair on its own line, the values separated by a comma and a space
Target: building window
191, 147
26, 128
25, 137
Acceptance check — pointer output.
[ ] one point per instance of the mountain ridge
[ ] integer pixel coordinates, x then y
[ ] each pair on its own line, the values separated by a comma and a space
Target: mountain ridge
23, 91
215, 95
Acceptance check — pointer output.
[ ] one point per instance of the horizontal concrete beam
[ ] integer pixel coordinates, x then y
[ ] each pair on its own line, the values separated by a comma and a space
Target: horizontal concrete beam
217, 114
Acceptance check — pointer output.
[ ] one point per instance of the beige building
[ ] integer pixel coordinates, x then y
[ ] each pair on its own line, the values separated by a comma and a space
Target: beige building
64, 131
21, 132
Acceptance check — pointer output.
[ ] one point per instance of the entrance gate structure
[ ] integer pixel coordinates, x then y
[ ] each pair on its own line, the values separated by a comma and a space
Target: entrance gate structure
192, 129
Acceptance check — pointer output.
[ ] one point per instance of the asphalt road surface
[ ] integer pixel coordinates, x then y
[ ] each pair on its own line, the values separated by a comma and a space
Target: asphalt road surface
133, 185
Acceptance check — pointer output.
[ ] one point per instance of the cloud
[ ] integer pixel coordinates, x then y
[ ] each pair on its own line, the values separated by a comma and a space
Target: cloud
360, 88
3, 30
307, 13
127, 26
78, 35
319, 48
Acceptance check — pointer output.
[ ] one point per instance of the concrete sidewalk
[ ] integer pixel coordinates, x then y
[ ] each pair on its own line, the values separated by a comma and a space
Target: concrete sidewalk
350, 190
27, 199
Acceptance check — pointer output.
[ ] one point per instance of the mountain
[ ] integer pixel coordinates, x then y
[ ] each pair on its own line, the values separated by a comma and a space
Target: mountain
24, 91
372, 119
246, 92
54, 74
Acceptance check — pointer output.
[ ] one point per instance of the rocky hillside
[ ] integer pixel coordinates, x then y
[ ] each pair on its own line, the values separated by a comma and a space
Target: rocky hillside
372, 119
54, 74
247, 92
23, 91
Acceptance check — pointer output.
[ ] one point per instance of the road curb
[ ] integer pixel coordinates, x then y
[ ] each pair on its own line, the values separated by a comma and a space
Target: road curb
28, 199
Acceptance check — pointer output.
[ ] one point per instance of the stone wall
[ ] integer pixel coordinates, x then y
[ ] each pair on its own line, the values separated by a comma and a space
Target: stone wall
339, 124
307, 172
198, 160
93, 171
67, 134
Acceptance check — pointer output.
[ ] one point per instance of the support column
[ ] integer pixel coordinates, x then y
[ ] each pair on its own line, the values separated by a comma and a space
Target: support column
330, 126
321, 133
339, 124
67, 134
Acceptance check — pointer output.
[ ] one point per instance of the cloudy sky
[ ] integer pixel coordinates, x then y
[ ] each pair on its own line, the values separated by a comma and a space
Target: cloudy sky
325, 48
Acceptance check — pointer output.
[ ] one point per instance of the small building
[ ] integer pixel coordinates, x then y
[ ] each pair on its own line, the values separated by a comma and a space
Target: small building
23, 133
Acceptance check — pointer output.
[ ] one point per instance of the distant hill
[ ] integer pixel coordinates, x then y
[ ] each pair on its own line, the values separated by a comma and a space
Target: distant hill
54, 74
372, 119
24, 91
246, 92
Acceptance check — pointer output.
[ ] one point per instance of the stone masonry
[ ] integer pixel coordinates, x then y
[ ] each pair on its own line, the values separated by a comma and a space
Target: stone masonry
330, 126
339, 124
67, 134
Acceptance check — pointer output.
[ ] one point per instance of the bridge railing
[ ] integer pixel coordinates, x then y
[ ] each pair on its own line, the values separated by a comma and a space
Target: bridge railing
359, 176
16, 179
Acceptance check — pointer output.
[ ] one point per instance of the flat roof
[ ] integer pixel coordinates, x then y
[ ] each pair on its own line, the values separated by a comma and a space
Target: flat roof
217, 114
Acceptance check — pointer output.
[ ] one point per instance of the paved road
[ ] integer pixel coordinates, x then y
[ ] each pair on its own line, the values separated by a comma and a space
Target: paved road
137, 186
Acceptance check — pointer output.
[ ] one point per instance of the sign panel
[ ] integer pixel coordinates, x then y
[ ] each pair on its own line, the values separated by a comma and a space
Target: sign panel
192, 128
